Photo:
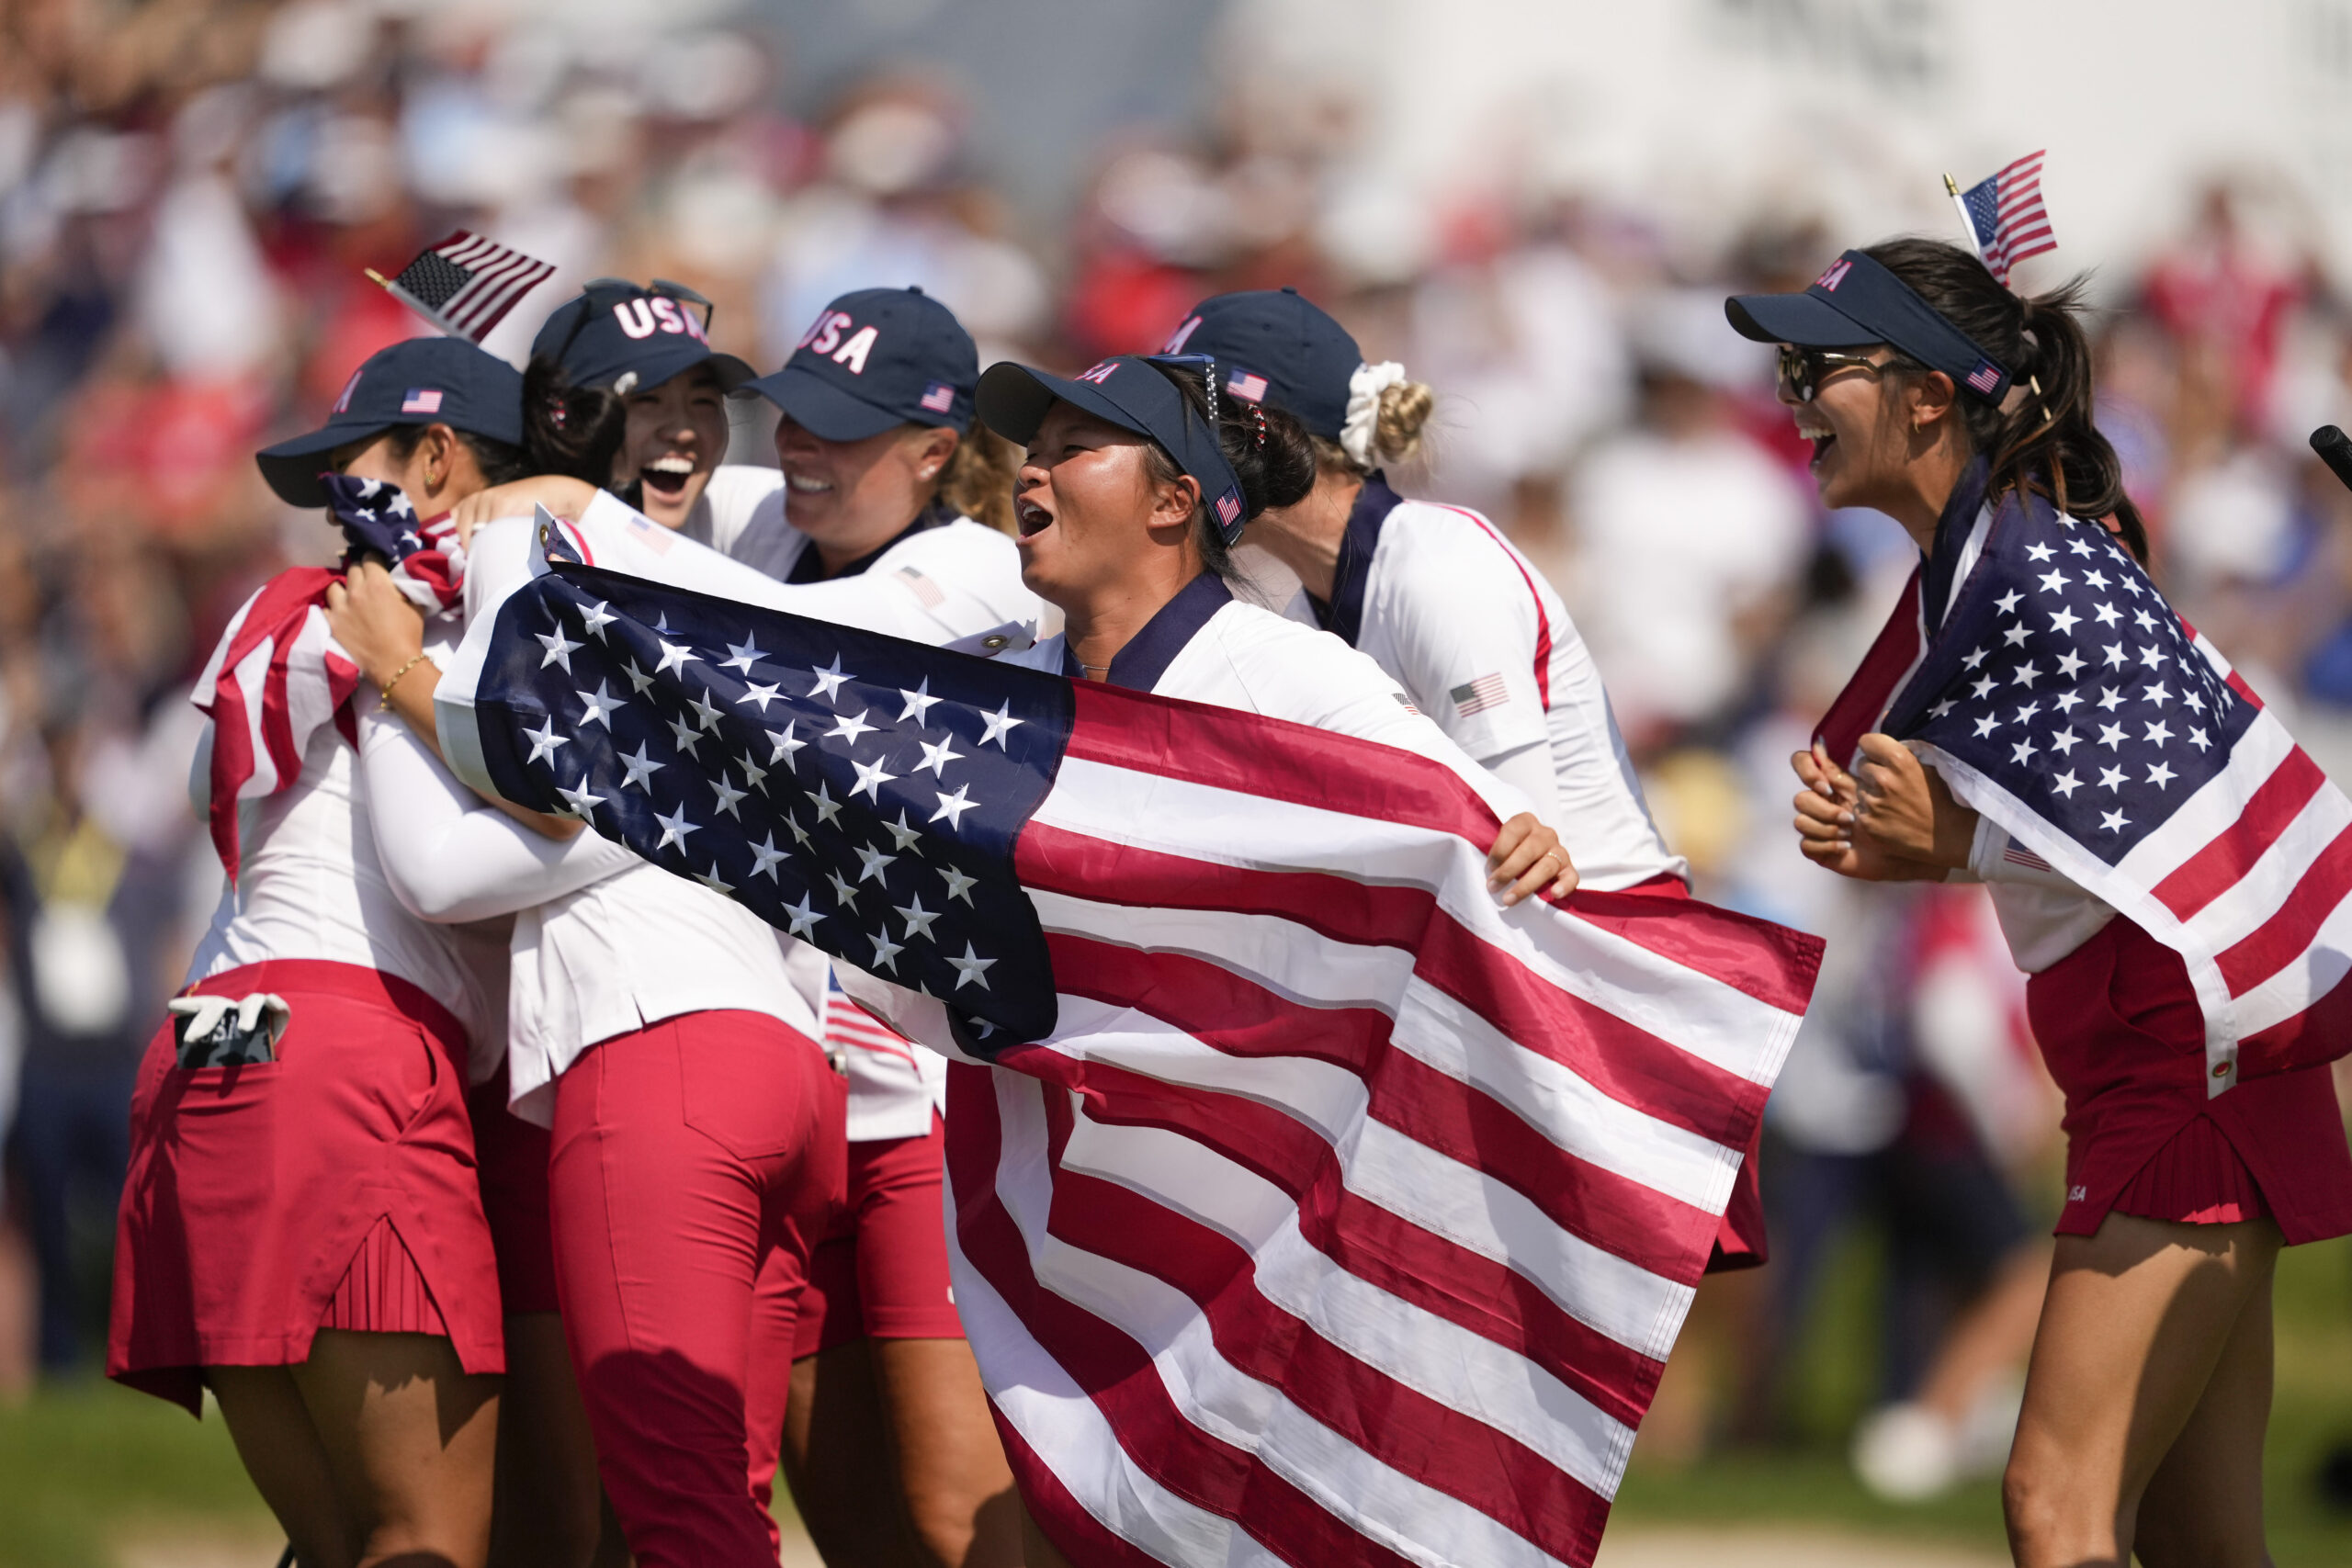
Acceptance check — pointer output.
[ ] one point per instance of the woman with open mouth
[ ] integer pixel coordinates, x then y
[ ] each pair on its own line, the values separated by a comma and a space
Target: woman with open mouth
890, 511
2036, 717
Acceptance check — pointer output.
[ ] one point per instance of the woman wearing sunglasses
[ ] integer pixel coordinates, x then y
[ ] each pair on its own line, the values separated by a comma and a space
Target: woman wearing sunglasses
2034, 661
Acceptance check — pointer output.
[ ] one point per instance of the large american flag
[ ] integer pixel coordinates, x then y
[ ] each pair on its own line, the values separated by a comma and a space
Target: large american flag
2006, 212
278, 673
466, 284
2062, 696
1314, 1209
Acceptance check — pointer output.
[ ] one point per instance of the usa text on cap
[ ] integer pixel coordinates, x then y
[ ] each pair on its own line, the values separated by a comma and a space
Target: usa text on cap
625, 337
874, 359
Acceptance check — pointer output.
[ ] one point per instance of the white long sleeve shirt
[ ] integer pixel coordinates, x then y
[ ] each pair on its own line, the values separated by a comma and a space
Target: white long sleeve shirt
1441, 602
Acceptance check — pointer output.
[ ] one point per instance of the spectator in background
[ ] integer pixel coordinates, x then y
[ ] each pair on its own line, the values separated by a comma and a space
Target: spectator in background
92, 933
1688, 539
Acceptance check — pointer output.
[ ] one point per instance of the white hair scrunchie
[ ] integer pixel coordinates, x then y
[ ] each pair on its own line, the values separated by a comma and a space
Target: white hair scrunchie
1363, 423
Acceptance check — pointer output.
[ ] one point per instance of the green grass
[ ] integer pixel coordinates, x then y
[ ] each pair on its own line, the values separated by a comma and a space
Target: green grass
87, 1464
1811, 1484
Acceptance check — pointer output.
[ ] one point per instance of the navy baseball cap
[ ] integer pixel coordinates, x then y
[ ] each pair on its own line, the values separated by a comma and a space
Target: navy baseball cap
1130, 391
1271, 345
874, 359
426, 380
1855, 302
623, 336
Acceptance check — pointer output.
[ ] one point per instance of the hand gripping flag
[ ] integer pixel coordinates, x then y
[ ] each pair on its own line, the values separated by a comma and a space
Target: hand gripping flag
2063, 698
466, 284
2005, 214
276, 674
1314, 1209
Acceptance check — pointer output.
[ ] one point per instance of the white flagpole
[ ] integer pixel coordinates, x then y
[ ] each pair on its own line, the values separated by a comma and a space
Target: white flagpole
1967, 224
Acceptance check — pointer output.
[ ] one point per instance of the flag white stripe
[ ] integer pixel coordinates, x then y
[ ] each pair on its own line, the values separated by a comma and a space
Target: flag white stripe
1693, 1012
1452, 1200
1214, 1395
252, 677
1060, 1423
1453, 1367
1431, 1027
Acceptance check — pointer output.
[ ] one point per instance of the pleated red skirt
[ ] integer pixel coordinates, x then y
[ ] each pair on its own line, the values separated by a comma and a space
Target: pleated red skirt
2120, 1027
334, 1187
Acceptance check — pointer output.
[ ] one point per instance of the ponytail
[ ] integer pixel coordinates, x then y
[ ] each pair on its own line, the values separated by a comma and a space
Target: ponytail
978, 480
1400, 419
2046, 443
573, 431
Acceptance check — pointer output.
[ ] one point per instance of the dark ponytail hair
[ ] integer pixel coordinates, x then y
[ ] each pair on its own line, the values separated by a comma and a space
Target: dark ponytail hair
1271, 453
569, 430
2046, 444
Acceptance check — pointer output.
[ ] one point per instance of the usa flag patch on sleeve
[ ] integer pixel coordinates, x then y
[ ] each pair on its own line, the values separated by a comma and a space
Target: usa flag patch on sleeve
1478, 696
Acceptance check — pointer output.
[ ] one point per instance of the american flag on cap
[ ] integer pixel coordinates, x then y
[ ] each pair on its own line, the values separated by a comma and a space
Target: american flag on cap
2005, 215
466, 284
2064, 699
1309, 1202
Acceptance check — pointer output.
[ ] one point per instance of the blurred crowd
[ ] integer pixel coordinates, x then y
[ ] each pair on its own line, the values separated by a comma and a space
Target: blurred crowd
190, 190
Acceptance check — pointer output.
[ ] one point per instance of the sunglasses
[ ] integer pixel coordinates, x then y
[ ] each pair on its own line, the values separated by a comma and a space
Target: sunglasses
1803, 370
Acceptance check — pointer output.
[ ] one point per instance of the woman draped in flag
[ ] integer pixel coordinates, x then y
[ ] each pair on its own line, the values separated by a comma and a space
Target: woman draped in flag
2036, 717
1137, 482
302, 1230
1445, 605
872, 1344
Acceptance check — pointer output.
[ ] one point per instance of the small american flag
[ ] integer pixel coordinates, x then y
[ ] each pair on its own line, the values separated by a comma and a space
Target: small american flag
1249, 388
1478, 696
939, 397
466, 284
849, 1027
422, 400
2007, 214
1313, 1203
1985, 377
2065, 699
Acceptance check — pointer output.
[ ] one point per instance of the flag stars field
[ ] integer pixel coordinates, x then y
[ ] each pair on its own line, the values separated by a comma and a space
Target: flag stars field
869, 750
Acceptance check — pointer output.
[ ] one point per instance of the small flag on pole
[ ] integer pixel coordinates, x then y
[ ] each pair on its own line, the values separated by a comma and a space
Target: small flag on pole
2007, 221
464, 285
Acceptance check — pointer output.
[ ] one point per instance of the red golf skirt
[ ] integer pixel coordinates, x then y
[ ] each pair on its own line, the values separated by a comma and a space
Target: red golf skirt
334, 1187
2123, 1036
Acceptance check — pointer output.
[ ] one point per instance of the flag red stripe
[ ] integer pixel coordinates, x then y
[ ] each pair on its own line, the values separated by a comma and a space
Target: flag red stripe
1859, 707
2230, 855
1382, 1248
1304, 766
1229, 1012
1118, 1375
1619, 1059
1418, 1436
2312, 1036
2286, 935
491, 294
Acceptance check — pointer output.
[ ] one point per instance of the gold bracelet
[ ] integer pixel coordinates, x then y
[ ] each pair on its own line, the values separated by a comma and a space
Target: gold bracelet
384, 702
